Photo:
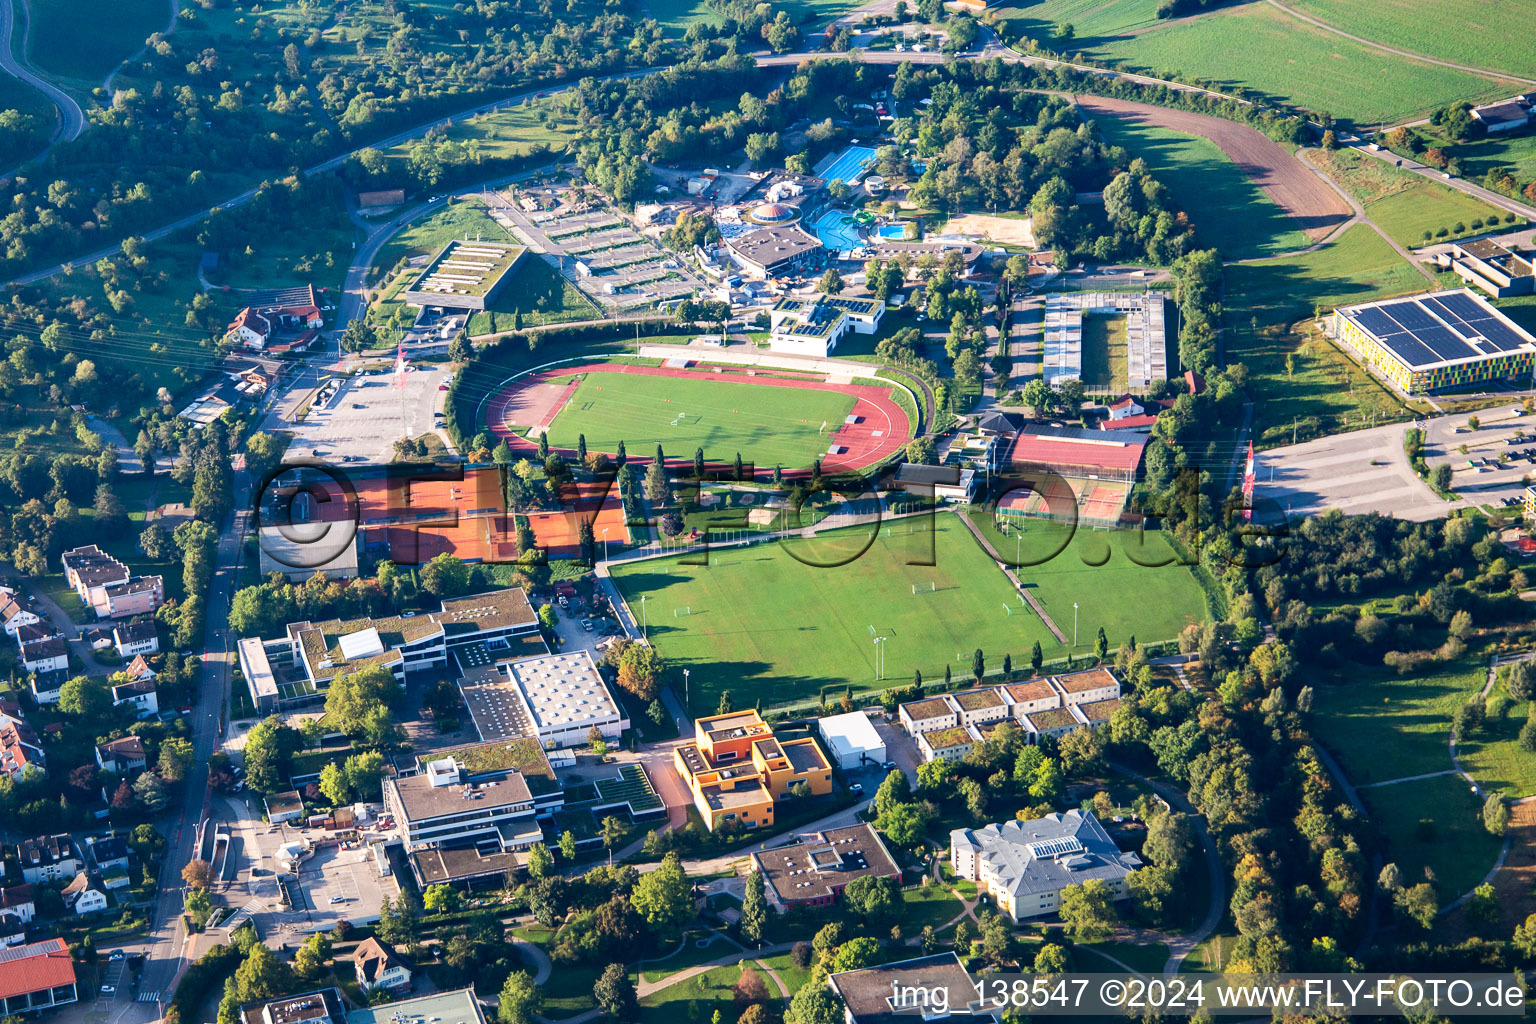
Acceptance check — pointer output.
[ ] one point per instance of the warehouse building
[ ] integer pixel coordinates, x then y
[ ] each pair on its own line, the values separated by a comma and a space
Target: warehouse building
1438, 340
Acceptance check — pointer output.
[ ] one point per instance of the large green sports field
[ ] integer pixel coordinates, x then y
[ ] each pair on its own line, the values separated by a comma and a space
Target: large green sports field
778, 426
762, 623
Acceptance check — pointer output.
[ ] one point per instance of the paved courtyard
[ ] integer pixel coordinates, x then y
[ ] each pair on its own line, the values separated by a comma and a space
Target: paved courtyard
1500, 455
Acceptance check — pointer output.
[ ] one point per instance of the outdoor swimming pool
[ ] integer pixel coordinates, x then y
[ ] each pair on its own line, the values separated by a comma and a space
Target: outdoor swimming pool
836, 230
893, 231
847, 165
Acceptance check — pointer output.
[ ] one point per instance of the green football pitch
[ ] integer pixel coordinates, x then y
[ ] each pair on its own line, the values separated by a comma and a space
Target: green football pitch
766, 425
763, 623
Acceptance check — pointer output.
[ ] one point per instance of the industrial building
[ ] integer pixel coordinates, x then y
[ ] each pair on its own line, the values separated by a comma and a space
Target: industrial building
1438, 340
851, 740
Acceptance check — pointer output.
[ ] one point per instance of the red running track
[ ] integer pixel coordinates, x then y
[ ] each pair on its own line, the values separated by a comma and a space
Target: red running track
882, 429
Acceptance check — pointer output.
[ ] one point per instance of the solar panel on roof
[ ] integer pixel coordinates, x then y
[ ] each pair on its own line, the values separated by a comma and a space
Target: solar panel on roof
1411, 315
1449, 316
1377, 322
1464, 306
1410, 350
1501, 337
1444, 343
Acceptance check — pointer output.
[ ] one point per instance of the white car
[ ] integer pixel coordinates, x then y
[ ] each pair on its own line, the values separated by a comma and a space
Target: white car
338, 899
116, 954
108, 990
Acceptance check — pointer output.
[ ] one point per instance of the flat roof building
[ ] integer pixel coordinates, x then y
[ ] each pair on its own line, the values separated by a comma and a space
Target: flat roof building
1075, 452
1497, 270
456, 1007
813, 326
773, 250
738, 771
926, 988
1437, 340
851, 739
1145, 334
814, 871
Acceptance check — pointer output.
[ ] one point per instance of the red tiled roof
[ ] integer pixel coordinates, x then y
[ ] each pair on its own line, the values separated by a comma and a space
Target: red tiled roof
1048, 450
16, 895
35, 967
1128, 422
248, 317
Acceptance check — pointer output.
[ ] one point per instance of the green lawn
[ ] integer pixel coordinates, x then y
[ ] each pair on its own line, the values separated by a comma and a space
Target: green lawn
86, 39
535, 294
691, 954
1455, 847
1403, 204
679, 14
1105, 362
765, 624
792, 976
1229, 210
461, 218
507, 133
1264, 49
1483, 155
1493, 753
1321, 383
1492, 34
935, 906
1101, 572
696, 999
1148, 958
1384, 727
771, 426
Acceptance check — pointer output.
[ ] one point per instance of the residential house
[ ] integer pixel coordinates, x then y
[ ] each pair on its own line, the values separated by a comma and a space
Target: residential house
122, 756
1123, 407
106, 585
1082, 687
378, 966
1024, 865
1034, 695
979, 706
138, 637
17, 901
12, 932
950, 744
37, 976
46, 686
20, 750
1056, 722
140, 694
107, 852
48, 858
82, 896
13, 615
918, 716
50, 654
138, 669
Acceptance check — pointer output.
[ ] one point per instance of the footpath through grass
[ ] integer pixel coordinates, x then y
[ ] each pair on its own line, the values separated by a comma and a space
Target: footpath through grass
767, 425
1229, 210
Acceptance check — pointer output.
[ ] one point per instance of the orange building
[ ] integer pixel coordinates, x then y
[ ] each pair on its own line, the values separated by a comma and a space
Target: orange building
737, 770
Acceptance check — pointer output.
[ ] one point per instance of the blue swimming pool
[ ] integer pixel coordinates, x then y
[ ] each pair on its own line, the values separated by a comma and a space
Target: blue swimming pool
836, 230
847, 165
893, 231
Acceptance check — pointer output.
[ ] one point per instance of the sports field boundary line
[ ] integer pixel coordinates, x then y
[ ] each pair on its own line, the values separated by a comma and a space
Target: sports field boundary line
1013, 578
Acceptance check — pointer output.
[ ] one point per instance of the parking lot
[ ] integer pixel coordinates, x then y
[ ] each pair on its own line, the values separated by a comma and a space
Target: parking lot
1490, 465
1363, 471
349, 875
367, 414
593, 247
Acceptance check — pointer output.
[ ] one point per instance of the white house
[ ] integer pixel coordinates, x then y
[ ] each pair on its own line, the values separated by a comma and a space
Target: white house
1024, 865
140, 694
133, 638
121, 756
16, 901
48, 858
82, 897
45, 688
50, 654
814, 326
13, 616
378, 966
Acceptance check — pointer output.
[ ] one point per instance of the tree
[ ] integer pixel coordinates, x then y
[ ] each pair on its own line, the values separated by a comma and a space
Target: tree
365, 773
197, 874
540, 861
876, 899
978, 665
814, 1004
521, 999
903, 824
568, 845
754, 908
150, 792
1088, 911
1495, 814
1101, 646
1170, 840
856, 953
664, 897
85, 696
831, 282
893, 790
333, 784
440, 899
1036, 657
356, 700
261, 975
615, 993
175, 758
1419, 904
445, 576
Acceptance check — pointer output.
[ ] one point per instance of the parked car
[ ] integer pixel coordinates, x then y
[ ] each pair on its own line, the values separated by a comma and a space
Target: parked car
108, 990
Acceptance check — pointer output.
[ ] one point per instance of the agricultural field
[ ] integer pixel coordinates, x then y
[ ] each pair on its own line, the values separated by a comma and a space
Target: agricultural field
1490, 34
1265, 301
1229, 210
85, 40
770, 427
787, 622
1105, 358
1263, 49
1407, 206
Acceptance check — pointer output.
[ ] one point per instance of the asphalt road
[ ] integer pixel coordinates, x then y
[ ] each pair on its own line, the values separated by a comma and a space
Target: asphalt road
71, 118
